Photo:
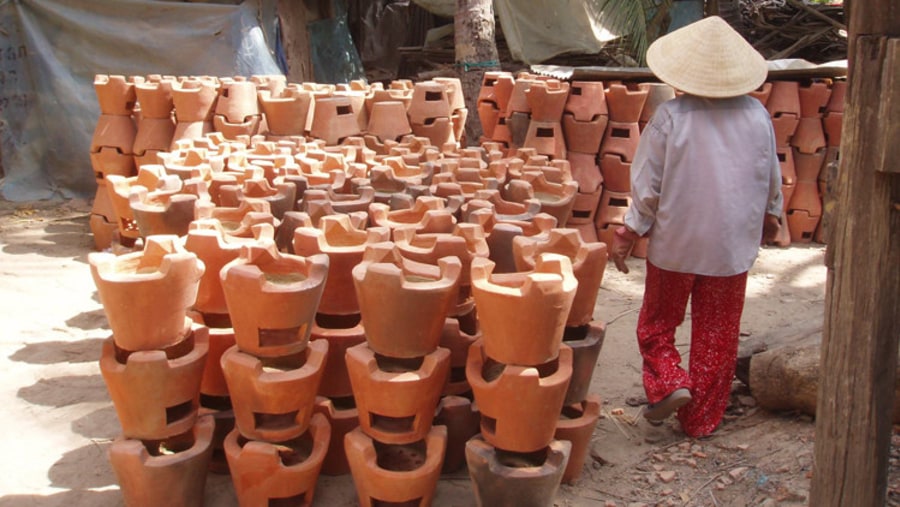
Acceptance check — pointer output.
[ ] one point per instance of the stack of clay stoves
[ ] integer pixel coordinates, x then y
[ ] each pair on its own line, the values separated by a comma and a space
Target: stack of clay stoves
337, 321
493, 100
430, 111
398, 375
156, 125
111, 151
153, 365
582, 333
804, 210
273, 373
520, 372
584, 123
625, 103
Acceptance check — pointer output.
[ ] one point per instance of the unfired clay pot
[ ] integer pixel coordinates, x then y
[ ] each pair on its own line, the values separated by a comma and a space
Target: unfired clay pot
273, 298
396, 399
172, 472
399, 474
523, 315
503, 479
516, 401
265, 474
146, 294
156, 396
273, 399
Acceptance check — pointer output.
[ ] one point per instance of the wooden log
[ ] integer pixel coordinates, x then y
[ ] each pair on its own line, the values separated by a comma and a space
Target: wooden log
476, 52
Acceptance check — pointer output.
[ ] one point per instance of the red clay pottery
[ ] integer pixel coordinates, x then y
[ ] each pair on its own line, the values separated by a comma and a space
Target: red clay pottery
146, 294
223, 420
762, 93
161, 212
612, 209
396, 474
556, 199
156, 396
112, 146
616, 173
288, 112
466, 242
344, 203
576, 424
206, 238
584, 136
518, 101
547, 99
625, 102
547, 138
515, 400
343, 418
457, 337
657, 93
503, 479
428, 215
809, 137
404, 303
170, 471
103, 221
344, 244
832, 123
396, 398
814, 98
280, 196
115, 94
195, 99
522, 315
590, 185
586, 101
463, 421
585, 342
283, 473
333, 120
621, 138
214, 383
588, 265
496, 88
341, 332
439, 131
388, 120
273, 398
273, 298
430, 101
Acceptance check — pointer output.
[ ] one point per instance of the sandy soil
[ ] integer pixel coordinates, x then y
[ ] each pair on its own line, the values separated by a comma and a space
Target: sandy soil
59, 421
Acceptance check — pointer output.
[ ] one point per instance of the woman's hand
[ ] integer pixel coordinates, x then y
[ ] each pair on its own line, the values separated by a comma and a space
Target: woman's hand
622, 244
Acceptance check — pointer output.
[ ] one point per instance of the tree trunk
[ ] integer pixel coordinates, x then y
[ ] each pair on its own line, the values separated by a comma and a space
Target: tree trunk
476, 52
294, 17
859, 347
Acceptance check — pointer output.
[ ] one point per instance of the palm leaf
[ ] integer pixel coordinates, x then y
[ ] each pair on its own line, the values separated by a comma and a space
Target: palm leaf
640, 21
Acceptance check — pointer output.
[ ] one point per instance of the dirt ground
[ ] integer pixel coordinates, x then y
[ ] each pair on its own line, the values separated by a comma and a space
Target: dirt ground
59, 420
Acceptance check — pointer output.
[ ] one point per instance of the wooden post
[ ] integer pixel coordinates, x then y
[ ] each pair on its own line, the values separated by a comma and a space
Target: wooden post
861, 331
294, 17
476, 52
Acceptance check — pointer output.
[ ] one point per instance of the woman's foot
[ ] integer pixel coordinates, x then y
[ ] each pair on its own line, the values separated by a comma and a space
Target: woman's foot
656, 413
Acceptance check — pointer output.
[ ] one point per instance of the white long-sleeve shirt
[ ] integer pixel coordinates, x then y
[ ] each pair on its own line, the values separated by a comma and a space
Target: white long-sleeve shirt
704, 174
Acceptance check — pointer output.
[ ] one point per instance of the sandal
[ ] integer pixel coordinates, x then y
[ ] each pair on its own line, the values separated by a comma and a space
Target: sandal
656, 413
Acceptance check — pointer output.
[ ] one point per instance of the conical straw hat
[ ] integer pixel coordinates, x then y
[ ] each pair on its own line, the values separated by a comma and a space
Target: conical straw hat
707, 58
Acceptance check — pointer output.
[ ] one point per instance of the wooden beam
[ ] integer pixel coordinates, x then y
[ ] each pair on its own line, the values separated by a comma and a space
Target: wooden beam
860, 340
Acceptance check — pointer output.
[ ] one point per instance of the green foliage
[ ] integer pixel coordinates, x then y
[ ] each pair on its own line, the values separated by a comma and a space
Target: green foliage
640, 21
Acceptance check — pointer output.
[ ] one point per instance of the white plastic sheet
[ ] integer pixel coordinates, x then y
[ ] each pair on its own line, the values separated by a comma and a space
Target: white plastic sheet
540, 29
50, 51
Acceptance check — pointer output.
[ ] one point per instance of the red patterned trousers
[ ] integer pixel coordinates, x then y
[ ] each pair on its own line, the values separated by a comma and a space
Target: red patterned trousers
716, 306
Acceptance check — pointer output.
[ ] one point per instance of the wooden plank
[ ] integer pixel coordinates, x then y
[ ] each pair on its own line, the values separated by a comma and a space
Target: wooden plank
889, 115
860, 340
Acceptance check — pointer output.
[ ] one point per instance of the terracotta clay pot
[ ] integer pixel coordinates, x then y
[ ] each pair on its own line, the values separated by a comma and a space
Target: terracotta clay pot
168, 471
584, 136
621, 139
832, 123
837, 98
343, 203
280, 196
809, 137
103, 222
784, 99
429, 102
588, 265
576, 424
814, 98
463, 421
223, 423
213, 382
657, 93
333, 120
343, 418
503, 479
517, 125
146, 294
557, 199
762, 93
273, 298
207, 240
457, 340
153, 135
625, 102
586, 101
515, 401
547, 138
195, 100
265, 473
399, 474
115, 94
112, 143
396, 398
616, 173
496, 88
156, 396
428, 215
585, 342
518, 101
273, 398
158, 213
341, 332
612, 209
506, 210
590, 185
466, 242
388, 120
288, 112
155, 99
488, 114
547, 99
344, 244
523, 315
439, 132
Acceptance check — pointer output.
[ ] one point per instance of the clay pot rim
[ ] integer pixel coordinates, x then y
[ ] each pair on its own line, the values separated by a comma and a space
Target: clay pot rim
476, 358
202, 432
557, 450
431, 362
316, 351
320, 433
435, 448
590, 408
